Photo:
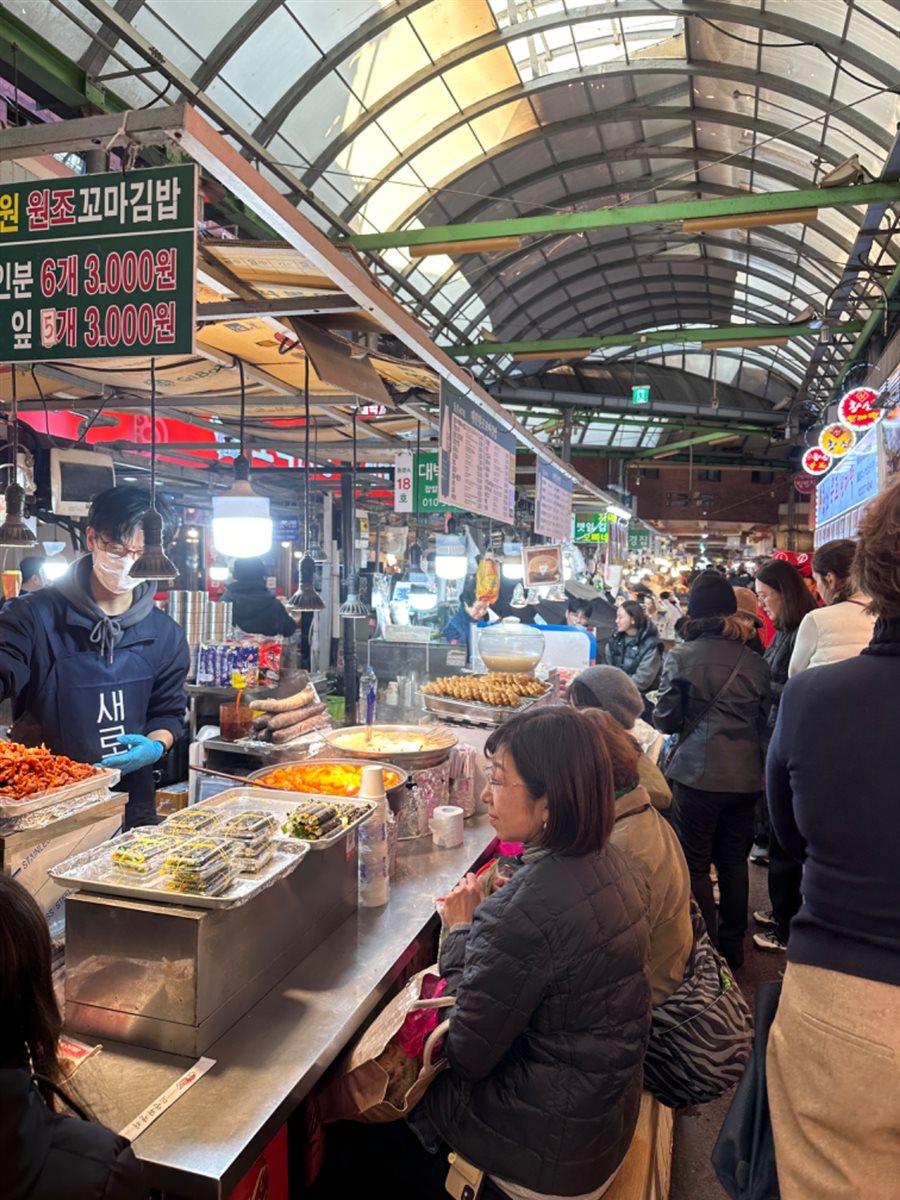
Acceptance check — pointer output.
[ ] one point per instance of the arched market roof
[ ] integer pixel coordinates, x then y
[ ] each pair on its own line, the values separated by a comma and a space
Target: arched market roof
380, 115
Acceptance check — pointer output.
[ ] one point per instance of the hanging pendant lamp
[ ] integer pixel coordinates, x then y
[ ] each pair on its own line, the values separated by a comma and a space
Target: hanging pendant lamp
153, 562
14, 531
308, 599
242, 524
353, 608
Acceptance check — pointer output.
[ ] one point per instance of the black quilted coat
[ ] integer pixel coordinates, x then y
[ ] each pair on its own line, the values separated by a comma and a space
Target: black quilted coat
547, 1037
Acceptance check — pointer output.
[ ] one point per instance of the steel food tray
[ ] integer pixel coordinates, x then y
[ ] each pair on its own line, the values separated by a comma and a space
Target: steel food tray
91, 873
476, 711
281, 804
410, 760
102, 777
258, 776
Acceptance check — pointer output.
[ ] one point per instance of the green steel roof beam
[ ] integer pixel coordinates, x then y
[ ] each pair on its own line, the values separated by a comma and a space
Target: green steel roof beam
39, 62
651, 337
699, 439
636, 214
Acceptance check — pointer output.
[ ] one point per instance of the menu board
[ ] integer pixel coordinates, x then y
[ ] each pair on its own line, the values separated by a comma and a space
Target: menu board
852, 482
98, 266
552, 502
477, 459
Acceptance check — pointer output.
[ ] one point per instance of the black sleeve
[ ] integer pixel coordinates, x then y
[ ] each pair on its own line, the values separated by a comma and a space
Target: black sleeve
647, 672
668, 715
287, 626
779, 793
17, 639
126, 1177
168, 699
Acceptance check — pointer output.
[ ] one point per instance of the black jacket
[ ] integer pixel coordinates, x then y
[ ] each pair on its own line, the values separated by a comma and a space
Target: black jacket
831, 782
638, 655
47, 1156
725, 752
778, 656
548, 1034
256, 610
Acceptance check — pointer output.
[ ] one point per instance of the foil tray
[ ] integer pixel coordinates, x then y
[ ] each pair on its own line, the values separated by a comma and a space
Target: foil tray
90, 872
475, 711
102, 777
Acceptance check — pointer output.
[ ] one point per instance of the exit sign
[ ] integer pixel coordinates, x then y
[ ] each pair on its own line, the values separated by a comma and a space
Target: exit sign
640, 395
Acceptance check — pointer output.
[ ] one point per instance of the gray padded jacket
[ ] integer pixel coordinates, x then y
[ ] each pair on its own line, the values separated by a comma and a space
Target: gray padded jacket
548, 1034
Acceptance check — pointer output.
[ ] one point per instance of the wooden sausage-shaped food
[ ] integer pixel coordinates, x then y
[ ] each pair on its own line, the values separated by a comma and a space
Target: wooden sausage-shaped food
285, 720
298, 701
307, 726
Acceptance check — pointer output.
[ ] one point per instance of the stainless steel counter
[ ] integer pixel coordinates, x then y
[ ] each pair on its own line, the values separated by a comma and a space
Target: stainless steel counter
270, 1059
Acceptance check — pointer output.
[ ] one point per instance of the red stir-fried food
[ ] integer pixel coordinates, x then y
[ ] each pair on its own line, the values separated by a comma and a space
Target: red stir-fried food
27, 770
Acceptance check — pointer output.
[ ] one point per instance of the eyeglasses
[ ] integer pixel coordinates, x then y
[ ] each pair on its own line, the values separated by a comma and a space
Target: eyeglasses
119, 549
496, 783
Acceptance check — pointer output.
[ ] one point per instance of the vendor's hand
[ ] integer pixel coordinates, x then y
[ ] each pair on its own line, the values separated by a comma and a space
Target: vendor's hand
499, 881
460, 904
141, 752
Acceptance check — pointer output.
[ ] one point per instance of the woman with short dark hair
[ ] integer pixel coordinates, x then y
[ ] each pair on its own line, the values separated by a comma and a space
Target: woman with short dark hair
45, 1154
833, 1083
844, 626
635, 647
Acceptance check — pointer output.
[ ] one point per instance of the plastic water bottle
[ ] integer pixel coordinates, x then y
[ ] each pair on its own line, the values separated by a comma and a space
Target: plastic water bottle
368, 694
374, 867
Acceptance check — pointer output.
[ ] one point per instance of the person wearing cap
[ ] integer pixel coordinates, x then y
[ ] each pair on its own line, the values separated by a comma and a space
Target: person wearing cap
254, 608
611, 690
714, 693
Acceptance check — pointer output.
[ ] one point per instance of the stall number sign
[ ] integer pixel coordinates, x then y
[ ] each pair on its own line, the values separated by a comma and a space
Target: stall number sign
593, 527
98, 266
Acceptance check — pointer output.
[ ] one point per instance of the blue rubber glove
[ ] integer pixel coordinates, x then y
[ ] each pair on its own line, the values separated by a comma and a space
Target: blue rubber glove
142, 752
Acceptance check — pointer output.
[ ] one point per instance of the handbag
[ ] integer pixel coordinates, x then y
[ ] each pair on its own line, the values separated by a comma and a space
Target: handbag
744, 1153
701, 1036
673, 743
378, 1080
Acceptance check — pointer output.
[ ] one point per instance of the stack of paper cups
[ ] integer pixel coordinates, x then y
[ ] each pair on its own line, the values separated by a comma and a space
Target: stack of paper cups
447, 826
374, 874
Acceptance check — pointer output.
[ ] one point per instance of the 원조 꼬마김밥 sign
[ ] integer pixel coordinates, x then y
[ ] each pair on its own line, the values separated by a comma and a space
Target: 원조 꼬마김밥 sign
96, 266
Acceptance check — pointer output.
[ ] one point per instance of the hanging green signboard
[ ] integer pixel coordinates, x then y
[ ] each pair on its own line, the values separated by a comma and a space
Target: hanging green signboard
638, 539
98, 266
425, 484
591, 527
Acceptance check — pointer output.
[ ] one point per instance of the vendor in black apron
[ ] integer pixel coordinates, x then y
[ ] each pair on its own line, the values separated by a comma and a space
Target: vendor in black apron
94, 669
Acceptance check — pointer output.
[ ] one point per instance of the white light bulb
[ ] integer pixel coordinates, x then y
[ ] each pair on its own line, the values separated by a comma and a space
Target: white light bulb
242, 527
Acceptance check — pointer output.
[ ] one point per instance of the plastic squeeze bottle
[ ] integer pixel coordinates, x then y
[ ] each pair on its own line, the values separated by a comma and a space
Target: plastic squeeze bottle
374, 876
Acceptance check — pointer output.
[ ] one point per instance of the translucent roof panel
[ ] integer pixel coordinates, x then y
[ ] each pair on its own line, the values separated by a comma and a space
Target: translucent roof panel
410, 115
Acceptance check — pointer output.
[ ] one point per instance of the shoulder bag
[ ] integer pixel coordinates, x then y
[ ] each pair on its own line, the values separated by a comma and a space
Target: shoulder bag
702, 1035
673, 744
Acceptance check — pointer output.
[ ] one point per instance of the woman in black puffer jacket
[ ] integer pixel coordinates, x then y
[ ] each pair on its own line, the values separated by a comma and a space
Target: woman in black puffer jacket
552, 1014
716, 772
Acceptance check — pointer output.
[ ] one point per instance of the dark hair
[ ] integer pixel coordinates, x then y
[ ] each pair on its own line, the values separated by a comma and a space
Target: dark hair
30, 1021
116, 513
637, 613
623, 750
796, 600
558, 755
876, 568
31, 566
837, 557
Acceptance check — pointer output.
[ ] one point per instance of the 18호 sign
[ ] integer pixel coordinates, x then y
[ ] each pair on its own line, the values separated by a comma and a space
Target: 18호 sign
98, 266
416, 483
477, 459
552, 502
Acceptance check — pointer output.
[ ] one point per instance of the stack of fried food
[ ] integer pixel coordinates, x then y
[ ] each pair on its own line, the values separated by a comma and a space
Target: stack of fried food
497, 689
291, 717
27, 770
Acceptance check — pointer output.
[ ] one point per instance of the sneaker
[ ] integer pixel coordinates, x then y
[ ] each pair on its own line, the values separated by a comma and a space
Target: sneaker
765, 918
759, 855
769, 942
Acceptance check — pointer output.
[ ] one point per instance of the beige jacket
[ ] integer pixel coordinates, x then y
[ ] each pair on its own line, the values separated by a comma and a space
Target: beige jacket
652, 847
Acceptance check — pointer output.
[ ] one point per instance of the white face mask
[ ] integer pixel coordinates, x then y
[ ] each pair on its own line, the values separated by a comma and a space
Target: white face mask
113, 573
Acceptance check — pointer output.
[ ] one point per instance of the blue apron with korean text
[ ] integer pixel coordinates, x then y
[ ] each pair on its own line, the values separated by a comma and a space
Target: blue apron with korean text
84, 703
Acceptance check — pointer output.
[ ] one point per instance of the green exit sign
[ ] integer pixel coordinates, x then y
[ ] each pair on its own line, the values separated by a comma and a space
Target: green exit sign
640, 395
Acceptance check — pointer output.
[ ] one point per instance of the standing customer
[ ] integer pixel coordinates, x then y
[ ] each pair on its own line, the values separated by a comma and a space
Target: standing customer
834, 1086
786, 598
44, 1154
635, 648
844, 626
254, 608
714, 694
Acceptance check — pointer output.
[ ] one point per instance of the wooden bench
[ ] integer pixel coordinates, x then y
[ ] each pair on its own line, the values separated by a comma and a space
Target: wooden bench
646, 1172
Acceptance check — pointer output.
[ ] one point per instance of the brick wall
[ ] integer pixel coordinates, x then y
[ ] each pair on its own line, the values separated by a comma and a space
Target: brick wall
735, 497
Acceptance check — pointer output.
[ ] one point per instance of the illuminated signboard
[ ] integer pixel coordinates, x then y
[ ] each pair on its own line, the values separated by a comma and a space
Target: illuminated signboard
856, 409
837, 440
815, 461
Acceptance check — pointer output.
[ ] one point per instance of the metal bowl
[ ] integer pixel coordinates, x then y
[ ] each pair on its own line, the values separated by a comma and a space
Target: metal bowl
393, 794
412, 760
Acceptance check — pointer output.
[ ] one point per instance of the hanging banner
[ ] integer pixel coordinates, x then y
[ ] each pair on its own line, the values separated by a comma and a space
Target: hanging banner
477, 459
98, 266
638, 539
403, 482
591, 527
425, 487
552, 502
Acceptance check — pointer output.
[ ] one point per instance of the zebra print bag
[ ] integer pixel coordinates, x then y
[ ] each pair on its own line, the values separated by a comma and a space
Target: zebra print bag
702, 1035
